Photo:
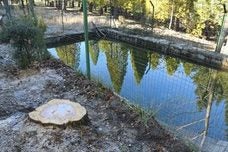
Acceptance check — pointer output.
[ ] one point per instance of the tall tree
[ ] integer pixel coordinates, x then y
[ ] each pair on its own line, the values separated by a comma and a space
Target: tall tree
171, 15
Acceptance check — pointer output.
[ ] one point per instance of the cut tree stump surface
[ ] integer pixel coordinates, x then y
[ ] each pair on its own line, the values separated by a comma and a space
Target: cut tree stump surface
58, 112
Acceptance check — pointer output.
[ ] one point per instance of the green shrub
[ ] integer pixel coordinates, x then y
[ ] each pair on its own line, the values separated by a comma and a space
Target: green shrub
27, 35
41, 24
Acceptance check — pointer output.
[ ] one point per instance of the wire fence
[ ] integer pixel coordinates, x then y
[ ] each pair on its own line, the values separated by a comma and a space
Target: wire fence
67, 18
190, 100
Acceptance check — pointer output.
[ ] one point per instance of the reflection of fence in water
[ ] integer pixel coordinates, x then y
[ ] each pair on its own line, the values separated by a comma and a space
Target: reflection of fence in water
143, 63
208, 91
184, 94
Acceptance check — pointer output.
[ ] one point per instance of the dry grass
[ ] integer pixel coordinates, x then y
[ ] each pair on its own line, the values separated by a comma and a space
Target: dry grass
72, 21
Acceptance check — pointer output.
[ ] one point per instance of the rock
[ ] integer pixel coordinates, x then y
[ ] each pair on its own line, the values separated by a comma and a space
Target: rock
58, 112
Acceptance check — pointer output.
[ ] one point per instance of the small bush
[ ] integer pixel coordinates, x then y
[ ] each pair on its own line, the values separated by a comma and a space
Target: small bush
41, 24
27, 35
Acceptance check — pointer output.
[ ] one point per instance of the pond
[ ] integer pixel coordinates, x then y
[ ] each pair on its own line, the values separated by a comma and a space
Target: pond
185, 96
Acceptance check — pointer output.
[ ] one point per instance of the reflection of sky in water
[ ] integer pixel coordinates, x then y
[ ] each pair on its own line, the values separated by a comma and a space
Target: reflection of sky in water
53, 53
172, 97
99, 71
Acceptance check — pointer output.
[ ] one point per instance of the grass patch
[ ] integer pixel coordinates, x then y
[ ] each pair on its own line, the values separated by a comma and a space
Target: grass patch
145, 114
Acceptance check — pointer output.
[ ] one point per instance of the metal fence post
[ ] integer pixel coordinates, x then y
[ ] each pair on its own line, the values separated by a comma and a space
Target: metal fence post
222, 32
86, 37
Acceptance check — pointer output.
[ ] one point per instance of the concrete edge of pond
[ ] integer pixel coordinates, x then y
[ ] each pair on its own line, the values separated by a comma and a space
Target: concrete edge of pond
58, 40
183, 51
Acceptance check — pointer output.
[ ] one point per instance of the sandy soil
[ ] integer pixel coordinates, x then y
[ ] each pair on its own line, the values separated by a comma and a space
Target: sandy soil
112, 125
72, 21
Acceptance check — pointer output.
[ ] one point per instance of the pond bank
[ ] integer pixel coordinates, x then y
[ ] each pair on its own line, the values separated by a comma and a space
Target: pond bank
180, 50
55, 41
113, 125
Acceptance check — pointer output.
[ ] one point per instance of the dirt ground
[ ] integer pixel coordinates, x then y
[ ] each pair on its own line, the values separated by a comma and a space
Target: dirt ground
112, 125
72, 22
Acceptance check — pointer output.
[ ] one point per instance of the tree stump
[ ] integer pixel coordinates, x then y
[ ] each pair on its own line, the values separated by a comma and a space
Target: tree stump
58, 112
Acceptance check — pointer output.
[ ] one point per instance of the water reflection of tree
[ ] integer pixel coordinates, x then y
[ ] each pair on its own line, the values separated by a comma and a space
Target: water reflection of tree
94, 51
211, 86
203, 79
154, 59
139, 61
69, 54
116, 55
207, 98
172, 64
188, 68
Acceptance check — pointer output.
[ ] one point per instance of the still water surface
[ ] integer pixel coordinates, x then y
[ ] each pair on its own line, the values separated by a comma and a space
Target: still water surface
183, 95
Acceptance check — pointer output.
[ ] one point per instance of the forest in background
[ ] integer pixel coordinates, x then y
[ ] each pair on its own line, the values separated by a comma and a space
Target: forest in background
201, 18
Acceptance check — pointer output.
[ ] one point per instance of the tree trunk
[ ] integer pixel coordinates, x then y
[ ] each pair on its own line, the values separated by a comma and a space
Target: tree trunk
26, 1
101, 12
171, 16
58, 4
79, 3
23, 6
63, 2
153, 20
81, 8
72, 4
177, 24
105, 9
7, 8
64, 5
31, 8
115, 13
91, 7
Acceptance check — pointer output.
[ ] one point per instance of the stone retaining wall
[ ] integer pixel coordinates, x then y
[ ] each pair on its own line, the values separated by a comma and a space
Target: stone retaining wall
194, 54
184, 51
65, 39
